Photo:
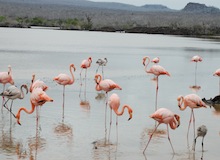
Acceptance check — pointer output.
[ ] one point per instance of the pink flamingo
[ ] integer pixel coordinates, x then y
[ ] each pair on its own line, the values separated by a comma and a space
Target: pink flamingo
64, 79
86, 63
196, 59
37, 84
217, 73
163, 115
114, 103
157, 70
106, 85
6, 77
193, 101
38, 98
156, 60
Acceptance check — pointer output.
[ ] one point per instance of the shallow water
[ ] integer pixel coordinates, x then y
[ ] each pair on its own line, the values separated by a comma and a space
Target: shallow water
81, 134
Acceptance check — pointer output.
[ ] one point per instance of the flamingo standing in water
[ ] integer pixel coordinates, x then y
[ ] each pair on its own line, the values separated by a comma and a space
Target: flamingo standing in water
6, 77
12, 93
86, 63
157, 70
37, 84
101, 62
114, 103
163, 115
196, 59
106, 85
38, 98
201, 132
193, 101
64, 79
217, 73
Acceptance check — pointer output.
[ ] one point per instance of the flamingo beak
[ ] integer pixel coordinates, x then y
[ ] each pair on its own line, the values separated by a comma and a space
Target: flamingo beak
130, 116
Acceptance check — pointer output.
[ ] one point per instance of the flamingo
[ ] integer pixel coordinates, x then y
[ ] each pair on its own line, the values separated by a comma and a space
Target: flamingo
38, 98
86, 63
101, 62
164, 115
37, 84
106, 85
12, 93
114, 103
157, 70
156, 60
196, 59
6, 77
64, 79
217, 73
201, 132
193, 101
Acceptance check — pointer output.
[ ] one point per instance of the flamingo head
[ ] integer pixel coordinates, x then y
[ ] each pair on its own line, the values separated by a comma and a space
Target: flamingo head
179, 99
144, 59
18, 118
130, 111
177, 117
97, 78
73, 66
25, 86
90, 59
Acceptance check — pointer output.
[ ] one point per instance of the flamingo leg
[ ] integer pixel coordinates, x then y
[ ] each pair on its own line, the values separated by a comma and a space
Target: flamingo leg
10, 107
97, 69
193, 123
81, 77
202, 144
110, 125
189, 127
117, 129
195, 73
106, 115
3, 98
151, 137
194, 145
63, 102
169, 138
102, 73
157, 87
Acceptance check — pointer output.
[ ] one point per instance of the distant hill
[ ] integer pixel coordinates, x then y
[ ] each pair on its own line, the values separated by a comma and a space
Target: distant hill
197, 7
90, 4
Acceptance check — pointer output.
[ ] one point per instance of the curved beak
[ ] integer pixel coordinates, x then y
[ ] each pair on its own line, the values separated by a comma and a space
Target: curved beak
130, 116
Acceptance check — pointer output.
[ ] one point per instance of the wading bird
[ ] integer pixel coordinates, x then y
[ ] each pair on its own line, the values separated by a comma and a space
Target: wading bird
12, 93
217, 73
155, 60
38, 98
193, 101
114, 103
101, 62
196, 59
157, 70
86, 63
37, 84
201, 132
6, 77
106, 85
163, 115
64, 79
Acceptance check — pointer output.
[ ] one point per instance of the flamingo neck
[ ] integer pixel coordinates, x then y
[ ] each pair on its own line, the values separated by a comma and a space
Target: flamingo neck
32, 81
24, 109
122, 111
22, 92
71, 72
173, 124
145, 65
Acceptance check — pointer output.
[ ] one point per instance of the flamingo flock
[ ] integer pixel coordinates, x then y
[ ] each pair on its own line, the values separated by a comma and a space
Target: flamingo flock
39, 97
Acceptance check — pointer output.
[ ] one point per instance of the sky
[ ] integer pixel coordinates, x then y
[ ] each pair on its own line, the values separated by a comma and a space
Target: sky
173, 4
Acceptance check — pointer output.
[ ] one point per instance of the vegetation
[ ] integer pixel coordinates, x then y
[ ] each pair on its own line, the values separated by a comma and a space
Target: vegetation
79, 18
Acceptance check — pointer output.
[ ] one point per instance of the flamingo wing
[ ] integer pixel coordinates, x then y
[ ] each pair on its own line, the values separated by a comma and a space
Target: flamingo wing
62, 79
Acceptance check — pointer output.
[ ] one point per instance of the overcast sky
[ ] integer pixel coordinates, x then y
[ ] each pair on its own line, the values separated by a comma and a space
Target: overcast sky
173, 4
